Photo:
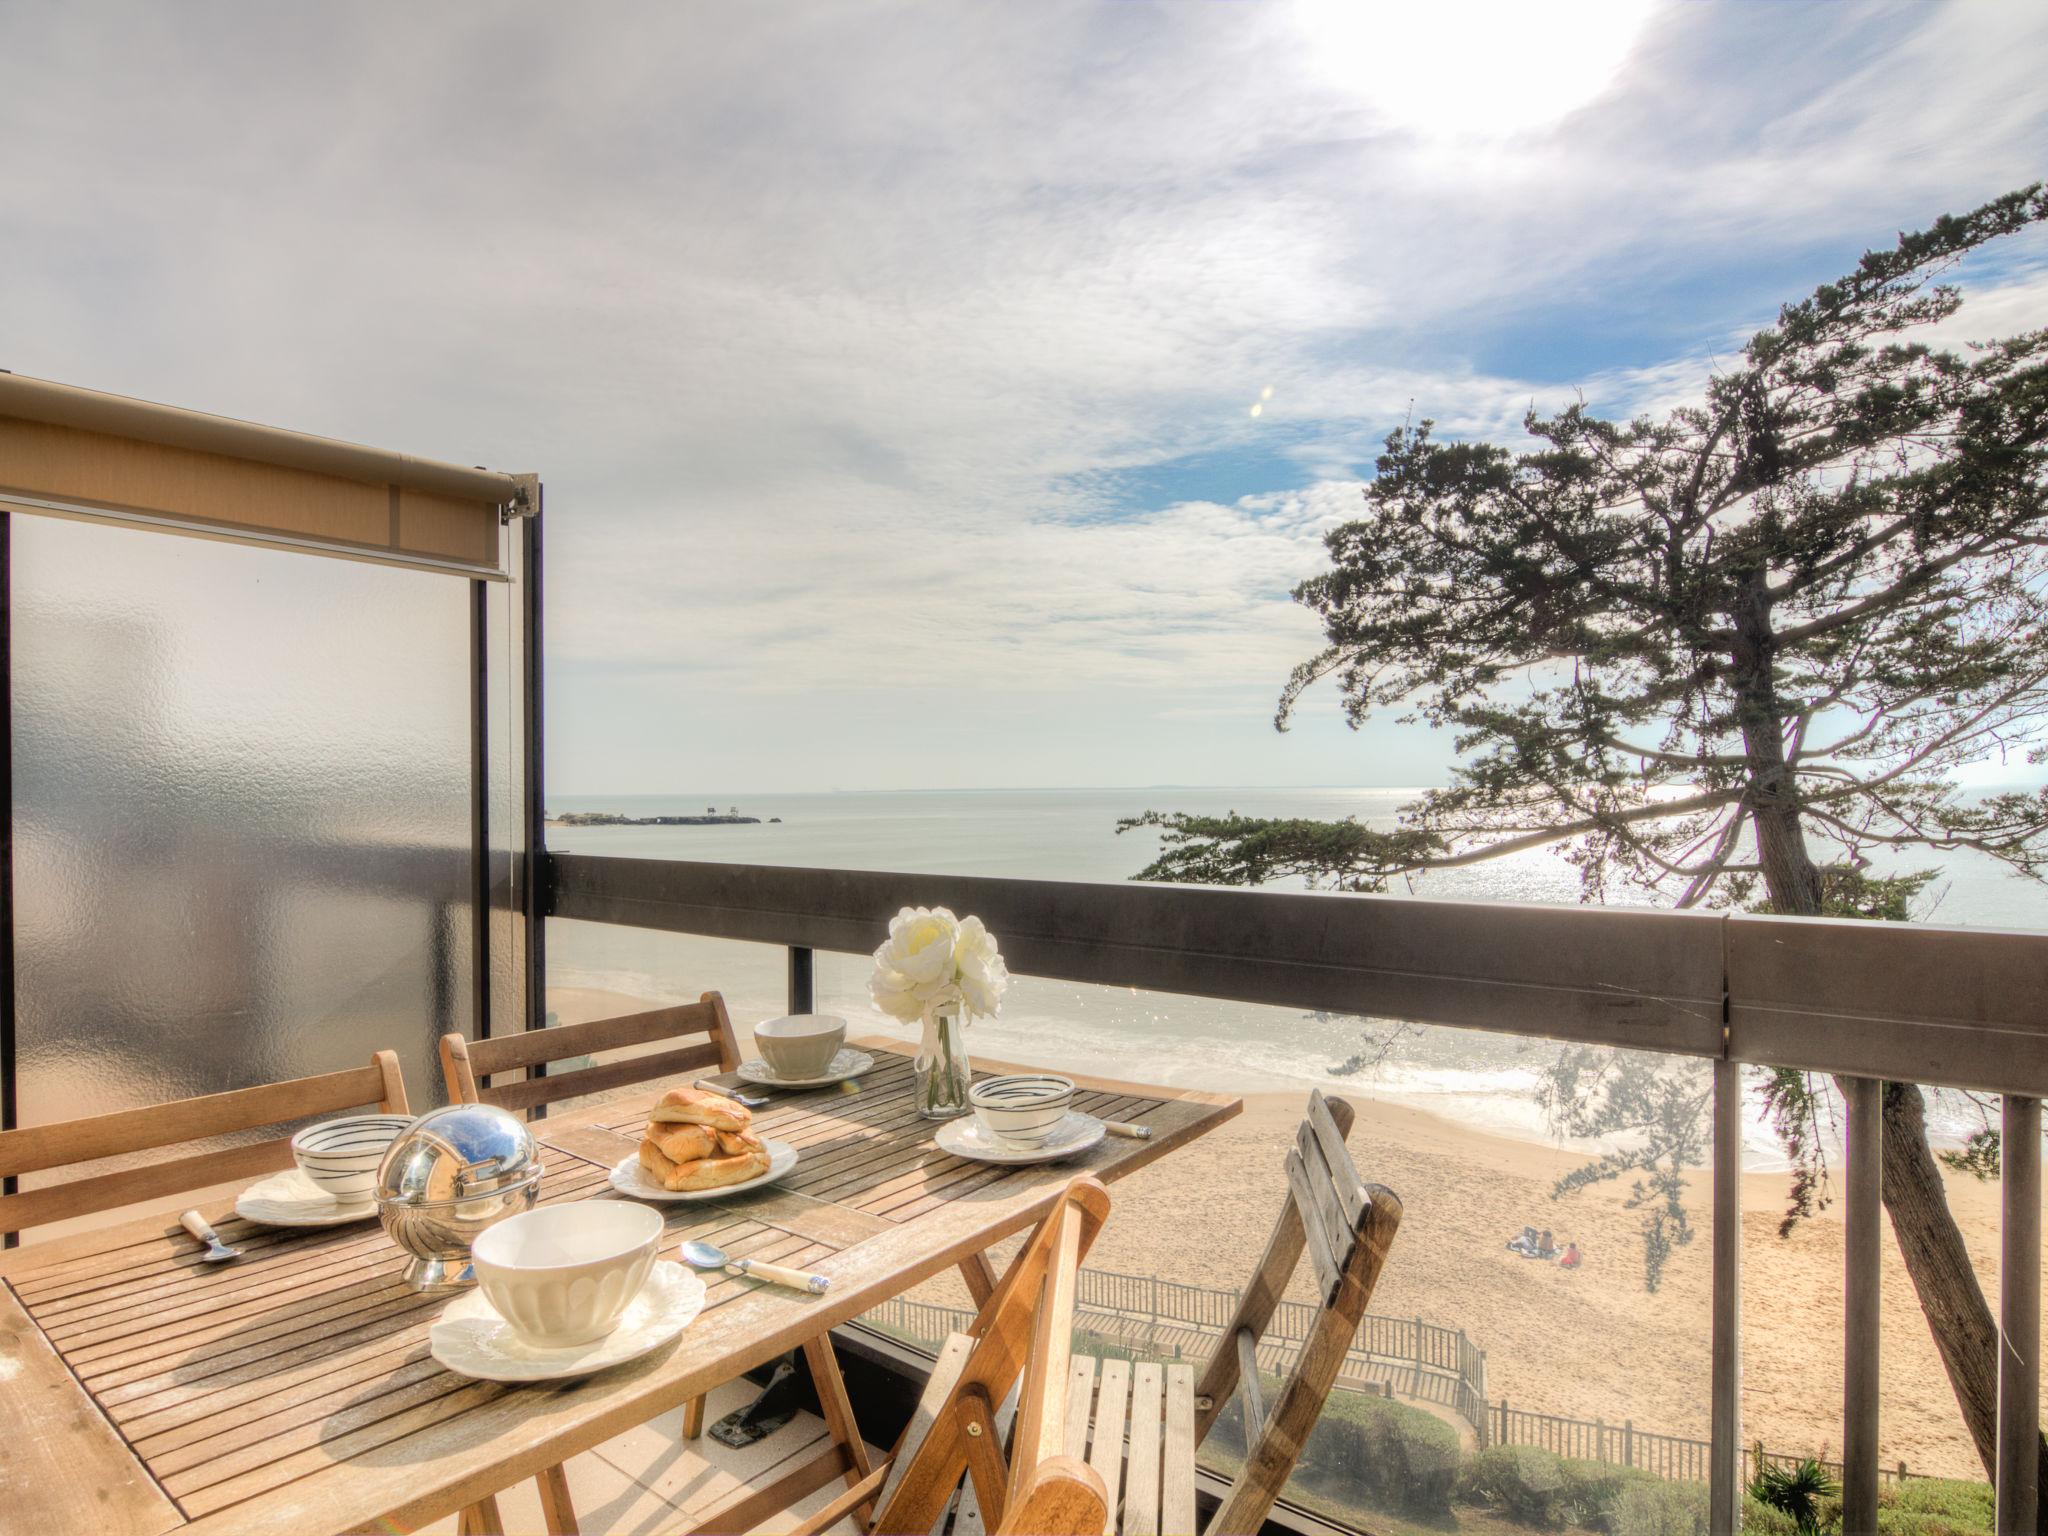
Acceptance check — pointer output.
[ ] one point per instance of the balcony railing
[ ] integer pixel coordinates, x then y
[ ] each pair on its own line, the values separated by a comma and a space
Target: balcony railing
1868, 1002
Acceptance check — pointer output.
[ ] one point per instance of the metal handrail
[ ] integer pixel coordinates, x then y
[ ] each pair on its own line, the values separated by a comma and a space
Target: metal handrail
1951, 1007
1954, 1007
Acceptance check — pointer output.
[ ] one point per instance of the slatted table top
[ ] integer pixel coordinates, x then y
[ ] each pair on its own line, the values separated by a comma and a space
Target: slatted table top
292, 1391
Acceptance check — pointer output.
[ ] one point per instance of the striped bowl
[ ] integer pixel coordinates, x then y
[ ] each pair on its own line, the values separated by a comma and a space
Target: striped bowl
1022, 1108
341, 1156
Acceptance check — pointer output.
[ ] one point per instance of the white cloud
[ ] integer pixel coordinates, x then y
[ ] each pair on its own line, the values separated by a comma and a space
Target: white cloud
824, 323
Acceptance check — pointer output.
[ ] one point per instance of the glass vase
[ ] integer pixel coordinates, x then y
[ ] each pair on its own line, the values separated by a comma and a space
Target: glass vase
943, 1075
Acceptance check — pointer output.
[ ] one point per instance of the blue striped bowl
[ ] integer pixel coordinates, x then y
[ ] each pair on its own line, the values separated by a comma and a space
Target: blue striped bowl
1022, 1108
341, 1156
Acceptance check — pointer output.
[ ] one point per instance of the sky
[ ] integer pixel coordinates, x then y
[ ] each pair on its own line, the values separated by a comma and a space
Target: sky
950, 395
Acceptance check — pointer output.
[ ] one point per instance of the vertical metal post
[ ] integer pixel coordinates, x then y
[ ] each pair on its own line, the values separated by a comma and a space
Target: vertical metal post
802, 990
532, 725
480, 807
2019, 1317
1860, 1291
1724, 1471
10, 1108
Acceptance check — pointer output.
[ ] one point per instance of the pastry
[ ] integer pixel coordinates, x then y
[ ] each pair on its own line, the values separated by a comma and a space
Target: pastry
687, 1143
705, 1173
693, 1106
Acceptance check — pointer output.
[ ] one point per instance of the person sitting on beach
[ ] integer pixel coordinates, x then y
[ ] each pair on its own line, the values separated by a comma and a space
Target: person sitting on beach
1571, 1256
1525, 1244
1545, 1248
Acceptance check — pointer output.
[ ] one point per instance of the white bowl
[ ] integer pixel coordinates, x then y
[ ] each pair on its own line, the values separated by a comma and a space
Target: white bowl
1022, 1108
341, 1156
801, 1045
565, 1274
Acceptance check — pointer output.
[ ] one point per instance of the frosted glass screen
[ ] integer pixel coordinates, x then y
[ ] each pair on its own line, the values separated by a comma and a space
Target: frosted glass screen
242, 822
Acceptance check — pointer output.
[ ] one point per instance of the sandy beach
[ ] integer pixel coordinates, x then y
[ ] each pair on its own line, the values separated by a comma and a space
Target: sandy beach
1591, 1343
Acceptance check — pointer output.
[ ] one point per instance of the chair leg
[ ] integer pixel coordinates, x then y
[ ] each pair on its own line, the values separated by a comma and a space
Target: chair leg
693, 1418
837, 1410
557, 1509
481, 1518
980, 1276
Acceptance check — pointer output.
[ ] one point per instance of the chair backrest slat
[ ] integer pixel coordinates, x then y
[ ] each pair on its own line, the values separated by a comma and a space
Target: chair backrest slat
152, 1181
602, 1076
1324, 1251
36, 1147
1347, 1227
1336, 1158
41, 1148
468, 1065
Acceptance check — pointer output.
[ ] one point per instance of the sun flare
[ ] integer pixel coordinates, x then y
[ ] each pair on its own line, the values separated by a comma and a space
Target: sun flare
1476, 69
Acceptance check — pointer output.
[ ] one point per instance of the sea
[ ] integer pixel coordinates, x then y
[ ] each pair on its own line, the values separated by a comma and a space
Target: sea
1486, 1080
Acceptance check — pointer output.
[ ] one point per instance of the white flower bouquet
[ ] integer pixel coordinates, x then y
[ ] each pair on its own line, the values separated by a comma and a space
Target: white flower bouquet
938, 970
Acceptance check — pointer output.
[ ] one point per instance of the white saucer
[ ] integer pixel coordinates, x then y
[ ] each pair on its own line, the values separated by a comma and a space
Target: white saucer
628, 1178
848, 1063
471, 1339
965, 1137
290, 1199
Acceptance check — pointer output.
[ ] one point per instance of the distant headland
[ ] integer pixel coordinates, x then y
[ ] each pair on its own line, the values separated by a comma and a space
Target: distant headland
710, 818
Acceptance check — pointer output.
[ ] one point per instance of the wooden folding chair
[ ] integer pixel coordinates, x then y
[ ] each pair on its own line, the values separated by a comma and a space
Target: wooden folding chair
468, 1067
67, 1143
1347, 1226
1021, 1338
1087, 1430
955, 1431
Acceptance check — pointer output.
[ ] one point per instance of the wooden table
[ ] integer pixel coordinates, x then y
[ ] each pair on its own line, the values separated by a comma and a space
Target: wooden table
292, 1391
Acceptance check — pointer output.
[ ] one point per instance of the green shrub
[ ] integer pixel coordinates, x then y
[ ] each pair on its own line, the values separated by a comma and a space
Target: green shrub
1762, 1520
1364, 1451
1545, 1491
1591, 1490
1962, 1506
1518, 1481
1649, 1506
1801, 1490
1401, 1457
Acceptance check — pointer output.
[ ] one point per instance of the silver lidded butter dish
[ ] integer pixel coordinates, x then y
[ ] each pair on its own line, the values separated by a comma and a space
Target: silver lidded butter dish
449, 1175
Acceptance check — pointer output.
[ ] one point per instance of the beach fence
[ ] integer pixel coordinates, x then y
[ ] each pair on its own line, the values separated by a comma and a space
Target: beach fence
1678, 1457
1150, 1318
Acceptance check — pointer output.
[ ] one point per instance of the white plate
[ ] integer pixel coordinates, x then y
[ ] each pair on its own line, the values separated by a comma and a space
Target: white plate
629, 1179
471, 1339
965, 1137
290, 1199
848, 1063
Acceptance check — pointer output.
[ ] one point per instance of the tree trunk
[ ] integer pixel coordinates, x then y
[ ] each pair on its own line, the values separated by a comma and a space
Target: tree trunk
1772, 793
1937, 1261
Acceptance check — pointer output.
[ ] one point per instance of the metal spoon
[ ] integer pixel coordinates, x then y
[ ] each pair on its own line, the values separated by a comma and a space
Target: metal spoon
702, 1255
748, 1100
217, 1252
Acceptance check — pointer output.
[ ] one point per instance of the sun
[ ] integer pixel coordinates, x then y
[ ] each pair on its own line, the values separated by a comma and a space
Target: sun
1475, 69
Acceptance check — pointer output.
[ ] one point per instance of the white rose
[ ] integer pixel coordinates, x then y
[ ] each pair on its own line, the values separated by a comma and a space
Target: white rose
893, 992
983, 976
921, 945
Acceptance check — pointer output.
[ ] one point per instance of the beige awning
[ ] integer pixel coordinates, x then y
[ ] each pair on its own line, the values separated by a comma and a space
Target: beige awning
77, 452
